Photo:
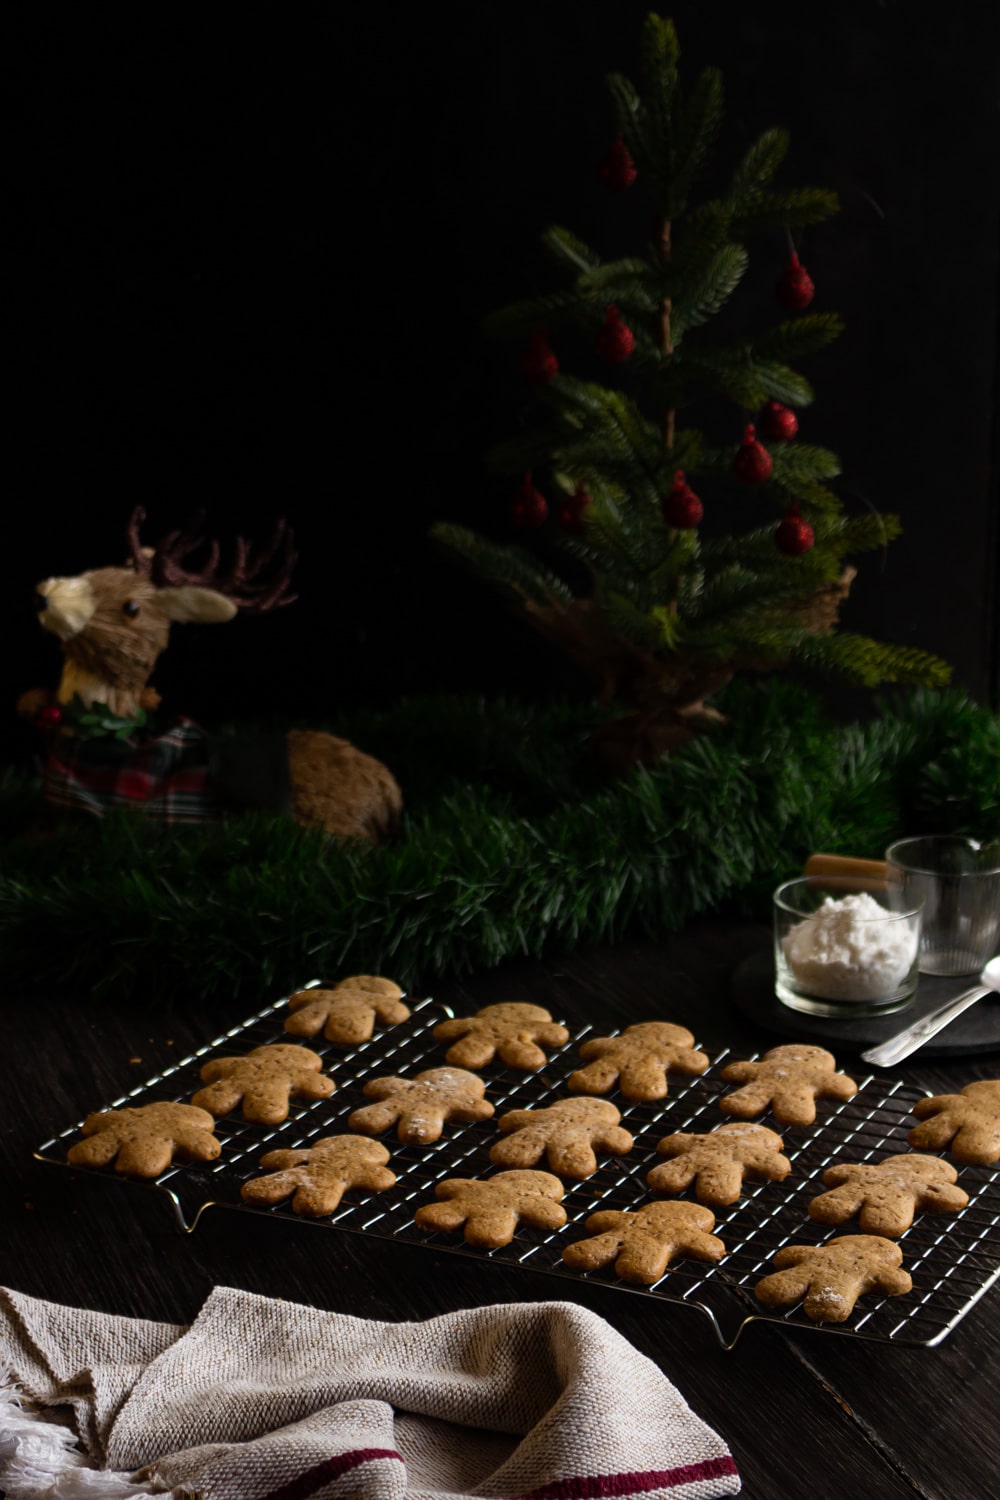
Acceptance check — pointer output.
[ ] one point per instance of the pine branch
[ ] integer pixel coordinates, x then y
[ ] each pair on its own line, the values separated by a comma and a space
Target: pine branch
569, 250
701, 234
696, 125
782, 383
659, 54
721, 275
631, 283
512, 569
798, 461
651, 631
868, 663
756, 170
793, 210
814, 498
803, 335
615, 415
860, 533
519, 320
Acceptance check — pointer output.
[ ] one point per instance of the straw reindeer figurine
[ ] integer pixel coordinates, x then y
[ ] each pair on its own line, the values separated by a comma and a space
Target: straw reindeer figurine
113, 623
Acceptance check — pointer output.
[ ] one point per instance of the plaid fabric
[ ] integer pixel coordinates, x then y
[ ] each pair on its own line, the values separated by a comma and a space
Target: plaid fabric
165, 776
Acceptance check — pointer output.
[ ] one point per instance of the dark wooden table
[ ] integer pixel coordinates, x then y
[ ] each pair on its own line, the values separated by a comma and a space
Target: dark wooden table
805, 1413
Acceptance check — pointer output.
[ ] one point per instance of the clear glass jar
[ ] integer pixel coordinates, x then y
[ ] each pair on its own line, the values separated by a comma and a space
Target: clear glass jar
958, 880
845, 945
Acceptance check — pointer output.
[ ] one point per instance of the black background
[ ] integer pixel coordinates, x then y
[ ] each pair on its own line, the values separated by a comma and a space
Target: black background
252, 246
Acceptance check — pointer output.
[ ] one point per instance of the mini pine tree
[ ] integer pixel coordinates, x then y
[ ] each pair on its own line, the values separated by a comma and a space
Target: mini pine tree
669, 612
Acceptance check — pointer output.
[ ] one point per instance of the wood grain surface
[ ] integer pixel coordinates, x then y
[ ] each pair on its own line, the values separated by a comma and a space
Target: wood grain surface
805, 1413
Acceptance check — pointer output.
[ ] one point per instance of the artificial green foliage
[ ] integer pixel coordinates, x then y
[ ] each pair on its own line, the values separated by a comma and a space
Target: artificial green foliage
512, 844
621, 432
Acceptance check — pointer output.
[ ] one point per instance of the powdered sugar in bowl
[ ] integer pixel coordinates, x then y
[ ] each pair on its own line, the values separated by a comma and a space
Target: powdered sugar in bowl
843, 946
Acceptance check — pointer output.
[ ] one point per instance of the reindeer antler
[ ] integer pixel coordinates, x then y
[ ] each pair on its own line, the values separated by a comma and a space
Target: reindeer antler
257, 580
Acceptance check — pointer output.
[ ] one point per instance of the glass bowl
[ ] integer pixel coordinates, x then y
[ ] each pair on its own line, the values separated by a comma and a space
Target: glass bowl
845, 945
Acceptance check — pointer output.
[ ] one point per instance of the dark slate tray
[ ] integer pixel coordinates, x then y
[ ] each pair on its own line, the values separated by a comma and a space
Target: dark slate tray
976, 1030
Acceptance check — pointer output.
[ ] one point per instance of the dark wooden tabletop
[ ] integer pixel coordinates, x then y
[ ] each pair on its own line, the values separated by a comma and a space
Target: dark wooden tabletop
805, 1412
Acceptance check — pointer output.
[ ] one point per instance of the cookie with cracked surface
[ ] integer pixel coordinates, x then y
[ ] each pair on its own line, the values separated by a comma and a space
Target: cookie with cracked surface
966, 1124
346, 1013
144, 1140
717, 1162
643, 1244
317, 1176
265, 1080
512, 1031
565, 1133
420, 1107
491, 1208
790, 1079
831, 1277
886, 1195
638, 1061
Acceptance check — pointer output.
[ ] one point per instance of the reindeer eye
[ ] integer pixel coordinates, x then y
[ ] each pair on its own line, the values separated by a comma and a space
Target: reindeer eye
130, 609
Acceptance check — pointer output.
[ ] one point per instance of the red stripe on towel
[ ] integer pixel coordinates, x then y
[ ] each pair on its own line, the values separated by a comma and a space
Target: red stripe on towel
331, 1468
596, 1486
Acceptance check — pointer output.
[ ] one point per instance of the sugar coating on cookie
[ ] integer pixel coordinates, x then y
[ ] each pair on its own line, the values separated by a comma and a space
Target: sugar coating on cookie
347, 1013
265, 1080
516, 1033
421, 1106
641, 1245
718, 1161
316, 1177
886, 1195
967, 1124
789, 1079
566, 1133
144, 1140
490, 1209
831, 1277
638, 1061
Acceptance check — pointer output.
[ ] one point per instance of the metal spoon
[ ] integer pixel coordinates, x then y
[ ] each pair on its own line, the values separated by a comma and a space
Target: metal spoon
907, 1041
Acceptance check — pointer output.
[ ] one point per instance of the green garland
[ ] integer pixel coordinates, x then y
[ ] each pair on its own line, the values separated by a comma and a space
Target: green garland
512, 844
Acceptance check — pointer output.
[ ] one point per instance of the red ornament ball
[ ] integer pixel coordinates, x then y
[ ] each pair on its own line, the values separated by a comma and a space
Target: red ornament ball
617, 170
753, 463
794, 288
778, 423
681, 508
49, 717
572, 509
794, 534
616, 340
539, 364
529, 508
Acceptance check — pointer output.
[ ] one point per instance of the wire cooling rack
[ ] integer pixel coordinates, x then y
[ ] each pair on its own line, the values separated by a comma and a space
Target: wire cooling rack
953, 1259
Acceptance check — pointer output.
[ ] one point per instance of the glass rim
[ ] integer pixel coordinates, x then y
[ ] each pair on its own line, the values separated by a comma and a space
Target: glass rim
892, 858
853, 885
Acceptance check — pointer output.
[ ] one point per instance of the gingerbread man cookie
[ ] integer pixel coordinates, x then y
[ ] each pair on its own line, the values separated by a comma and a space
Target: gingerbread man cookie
638, 1061
265, 1079
346, 1014
790, 1079
144, 1140
968, 1123
319, 1175
566, 1133
422, 1104
643, 1244
510, 1031
833, 1276
491, 1208
718, 1161
887, 1194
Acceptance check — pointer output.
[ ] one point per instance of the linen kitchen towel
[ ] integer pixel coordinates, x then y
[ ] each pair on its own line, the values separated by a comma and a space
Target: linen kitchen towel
261, 1399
